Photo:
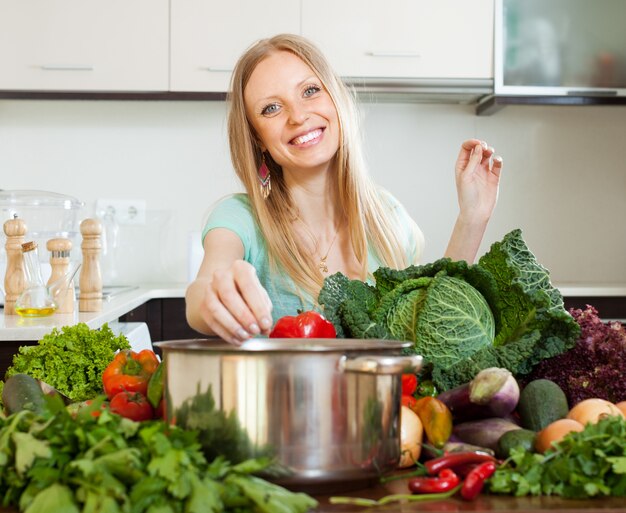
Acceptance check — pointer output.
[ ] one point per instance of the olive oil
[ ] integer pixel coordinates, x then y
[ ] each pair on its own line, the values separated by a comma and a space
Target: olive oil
35, 312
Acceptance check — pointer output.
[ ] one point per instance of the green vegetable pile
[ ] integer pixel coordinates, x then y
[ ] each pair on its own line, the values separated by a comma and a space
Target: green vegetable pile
53, 462
71, 360
590, 463
502, 312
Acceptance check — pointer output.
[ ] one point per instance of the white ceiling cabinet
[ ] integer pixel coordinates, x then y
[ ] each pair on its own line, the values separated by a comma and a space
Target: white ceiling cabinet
403, 38
84, 45
207, 37
192, 45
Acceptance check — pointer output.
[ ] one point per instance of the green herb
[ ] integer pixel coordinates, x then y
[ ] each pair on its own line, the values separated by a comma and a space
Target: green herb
590, 463
53, 462
71, 360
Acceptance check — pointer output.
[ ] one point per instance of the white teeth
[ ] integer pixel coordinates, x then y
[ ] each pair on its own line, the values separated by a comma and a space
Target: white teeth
307, 137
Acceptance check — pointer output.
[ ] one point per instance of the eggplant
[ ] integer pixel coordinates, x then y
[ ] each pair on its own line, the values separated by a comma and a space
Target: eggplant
484, 432
493, 392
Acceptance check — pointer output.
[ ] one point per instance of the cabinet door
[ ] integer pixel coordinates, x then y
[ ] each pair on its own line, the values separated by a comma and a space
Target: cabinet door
403, 38
208, 36
84, 45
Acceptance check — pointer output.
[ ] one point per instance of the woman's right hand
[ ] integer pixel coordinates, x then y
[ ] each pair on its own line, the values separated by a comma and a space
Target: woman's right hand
227, 298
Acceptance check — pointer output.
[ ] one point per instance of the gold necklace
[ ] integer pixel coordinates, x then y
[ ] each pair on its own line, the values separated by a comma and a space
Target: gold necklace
322, 265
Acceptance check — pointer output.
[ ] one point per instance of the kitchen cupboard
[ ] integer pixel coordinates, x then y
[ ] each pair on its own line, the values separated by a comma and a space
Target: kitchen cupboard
191, 46
403, 38
207, 37
84, 45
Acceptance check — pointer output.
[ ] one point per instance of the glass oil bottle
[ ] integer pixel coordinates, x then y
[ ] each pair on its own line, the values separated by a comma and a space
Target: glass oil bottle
36, 300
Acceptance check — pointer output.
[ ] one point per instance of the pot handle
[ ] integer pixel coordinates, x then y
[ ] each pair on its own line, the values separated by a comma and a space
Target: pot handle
381, 364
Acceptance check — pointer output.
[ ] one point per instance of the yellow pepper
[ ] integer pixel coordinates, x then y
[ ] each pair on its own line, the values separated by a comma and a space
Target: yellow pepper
436, 419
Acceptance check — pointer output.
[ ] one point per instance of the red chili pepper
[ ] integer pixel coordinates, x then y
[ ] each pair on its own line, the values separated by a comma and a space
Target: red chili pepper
129, 371
475, 480
305, 325
446, 480
409, 384
453, 460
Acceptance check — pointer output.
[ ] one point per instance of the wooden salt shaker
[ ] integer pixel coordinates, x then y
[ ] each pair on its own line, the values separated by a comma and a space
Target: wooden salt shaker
90, 281
14, 278
60, 264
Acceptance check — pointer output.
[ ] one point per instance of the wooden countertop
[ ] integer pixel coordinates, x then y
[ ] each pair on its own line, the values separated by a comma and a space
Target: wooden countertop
483, 504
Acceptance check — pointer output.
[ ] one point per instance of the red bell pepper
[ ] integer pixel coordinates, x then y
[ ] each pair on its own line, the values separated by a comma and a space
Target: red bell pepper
305, 325
129, 371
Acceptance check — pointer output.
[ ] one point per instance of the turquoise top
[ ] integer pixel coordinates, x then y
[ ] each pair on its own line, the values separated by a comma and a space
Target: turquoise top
235, 213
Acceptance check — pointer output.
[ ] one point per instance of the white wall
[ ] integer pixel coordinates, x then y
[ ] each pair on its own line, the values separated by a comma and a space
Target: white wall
564, 180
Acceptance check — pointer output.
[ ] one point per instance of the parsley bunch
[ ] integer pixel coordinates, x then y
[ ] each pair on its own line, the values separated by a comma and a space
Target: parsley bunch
110, 464
591, 463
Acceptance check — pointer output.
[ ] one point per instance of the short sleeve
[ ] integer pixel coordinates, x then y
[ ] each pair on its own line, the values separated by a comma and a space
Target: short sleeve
235, 214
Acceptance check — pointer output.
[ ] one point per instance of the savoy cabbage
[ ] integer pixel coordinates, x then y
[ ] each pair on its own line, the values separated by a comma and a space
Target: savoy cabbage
501, 312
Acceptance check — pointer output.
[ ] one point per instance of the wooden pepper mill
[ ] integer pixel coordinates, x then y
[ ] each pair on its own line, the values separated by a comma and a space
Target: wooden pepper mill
14, 278
60, 264
90, 281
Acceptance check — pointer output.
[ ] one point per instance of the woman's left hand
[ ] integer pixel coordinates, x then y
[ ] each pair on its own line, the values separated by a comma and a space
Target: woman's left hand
477, 174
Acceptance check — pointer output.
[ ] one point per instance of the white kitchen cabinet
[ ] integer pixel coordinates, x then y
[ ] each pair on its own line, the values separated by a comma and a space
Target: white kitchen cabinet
84, 45
208, 36
403, 38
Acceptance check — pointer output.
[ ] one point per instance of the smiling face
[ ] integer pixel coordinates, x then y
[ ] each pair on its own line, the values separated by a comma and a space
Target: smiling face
293, 115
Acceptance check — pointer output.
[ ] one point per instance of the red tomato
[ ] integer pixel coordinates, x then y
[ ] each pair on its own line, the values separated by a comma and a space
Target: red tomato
409, 384
305, 325
131, 405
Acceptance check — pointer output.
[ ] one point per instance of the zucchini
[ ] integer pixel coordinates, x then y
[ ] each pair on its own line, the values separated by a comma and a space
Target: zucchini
22, 392
541, 402
524, 438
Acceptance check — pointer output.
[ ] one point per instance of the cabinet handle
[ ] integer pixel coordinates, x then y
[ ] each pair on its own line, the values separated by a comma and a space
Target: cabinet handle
67, 67
216, 70
393, 54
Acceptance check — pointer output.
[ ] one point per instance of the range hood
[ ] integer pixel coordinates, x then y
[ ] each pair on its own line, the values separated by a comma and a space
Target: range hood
425, 90
560, 52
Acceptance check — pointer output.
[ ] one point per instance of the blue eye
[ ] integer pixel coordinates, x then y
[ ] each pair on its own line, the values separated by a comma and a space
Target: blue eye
272, 108
311, 90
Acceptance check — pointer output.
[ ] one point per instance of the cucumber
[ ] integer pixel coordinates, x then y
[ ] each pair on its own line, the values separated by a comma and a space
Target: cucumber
22, 392
524, 438
541, 402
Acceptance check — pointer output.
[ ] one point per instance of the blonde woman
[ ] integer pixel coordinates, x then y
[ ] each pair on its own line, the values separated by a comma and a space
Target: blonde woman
310, 209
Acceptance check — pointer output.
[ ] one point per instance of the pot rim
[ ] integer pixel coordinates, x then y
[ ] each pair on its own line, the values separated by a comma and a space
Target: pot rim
284, 345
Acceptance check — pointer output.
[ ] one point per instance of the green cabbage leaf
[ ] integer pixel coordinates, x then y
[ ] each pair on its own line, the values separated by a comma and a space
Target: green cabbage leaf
501, 312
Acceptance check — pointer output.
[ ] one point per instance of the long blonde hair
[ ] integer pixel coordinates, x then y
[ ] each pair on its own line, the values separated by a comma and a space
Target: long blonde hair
370, 220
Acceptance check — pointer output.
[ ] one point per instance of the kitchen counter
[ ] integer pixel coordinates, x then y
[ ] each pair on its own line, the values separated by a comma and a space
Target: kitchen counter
116, 303
122, 300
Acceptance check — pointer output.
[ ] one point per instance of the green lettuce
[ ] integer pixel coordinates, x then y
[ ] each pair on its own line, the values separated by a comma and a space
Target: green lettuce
71, 360
501, 312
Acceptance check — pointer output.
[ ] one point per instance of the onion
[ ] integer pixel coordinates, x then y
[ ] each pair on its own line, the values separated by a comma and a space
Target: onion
411, 433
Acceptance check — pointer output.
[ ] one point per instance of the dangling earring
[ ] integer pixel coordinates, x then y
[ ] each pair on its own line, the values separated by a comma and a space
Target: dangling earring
264, 178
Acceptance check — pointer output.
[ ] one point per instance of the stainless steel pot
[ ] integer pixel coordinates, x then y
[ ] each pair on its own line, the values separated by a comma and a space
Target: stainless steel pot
327, 410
